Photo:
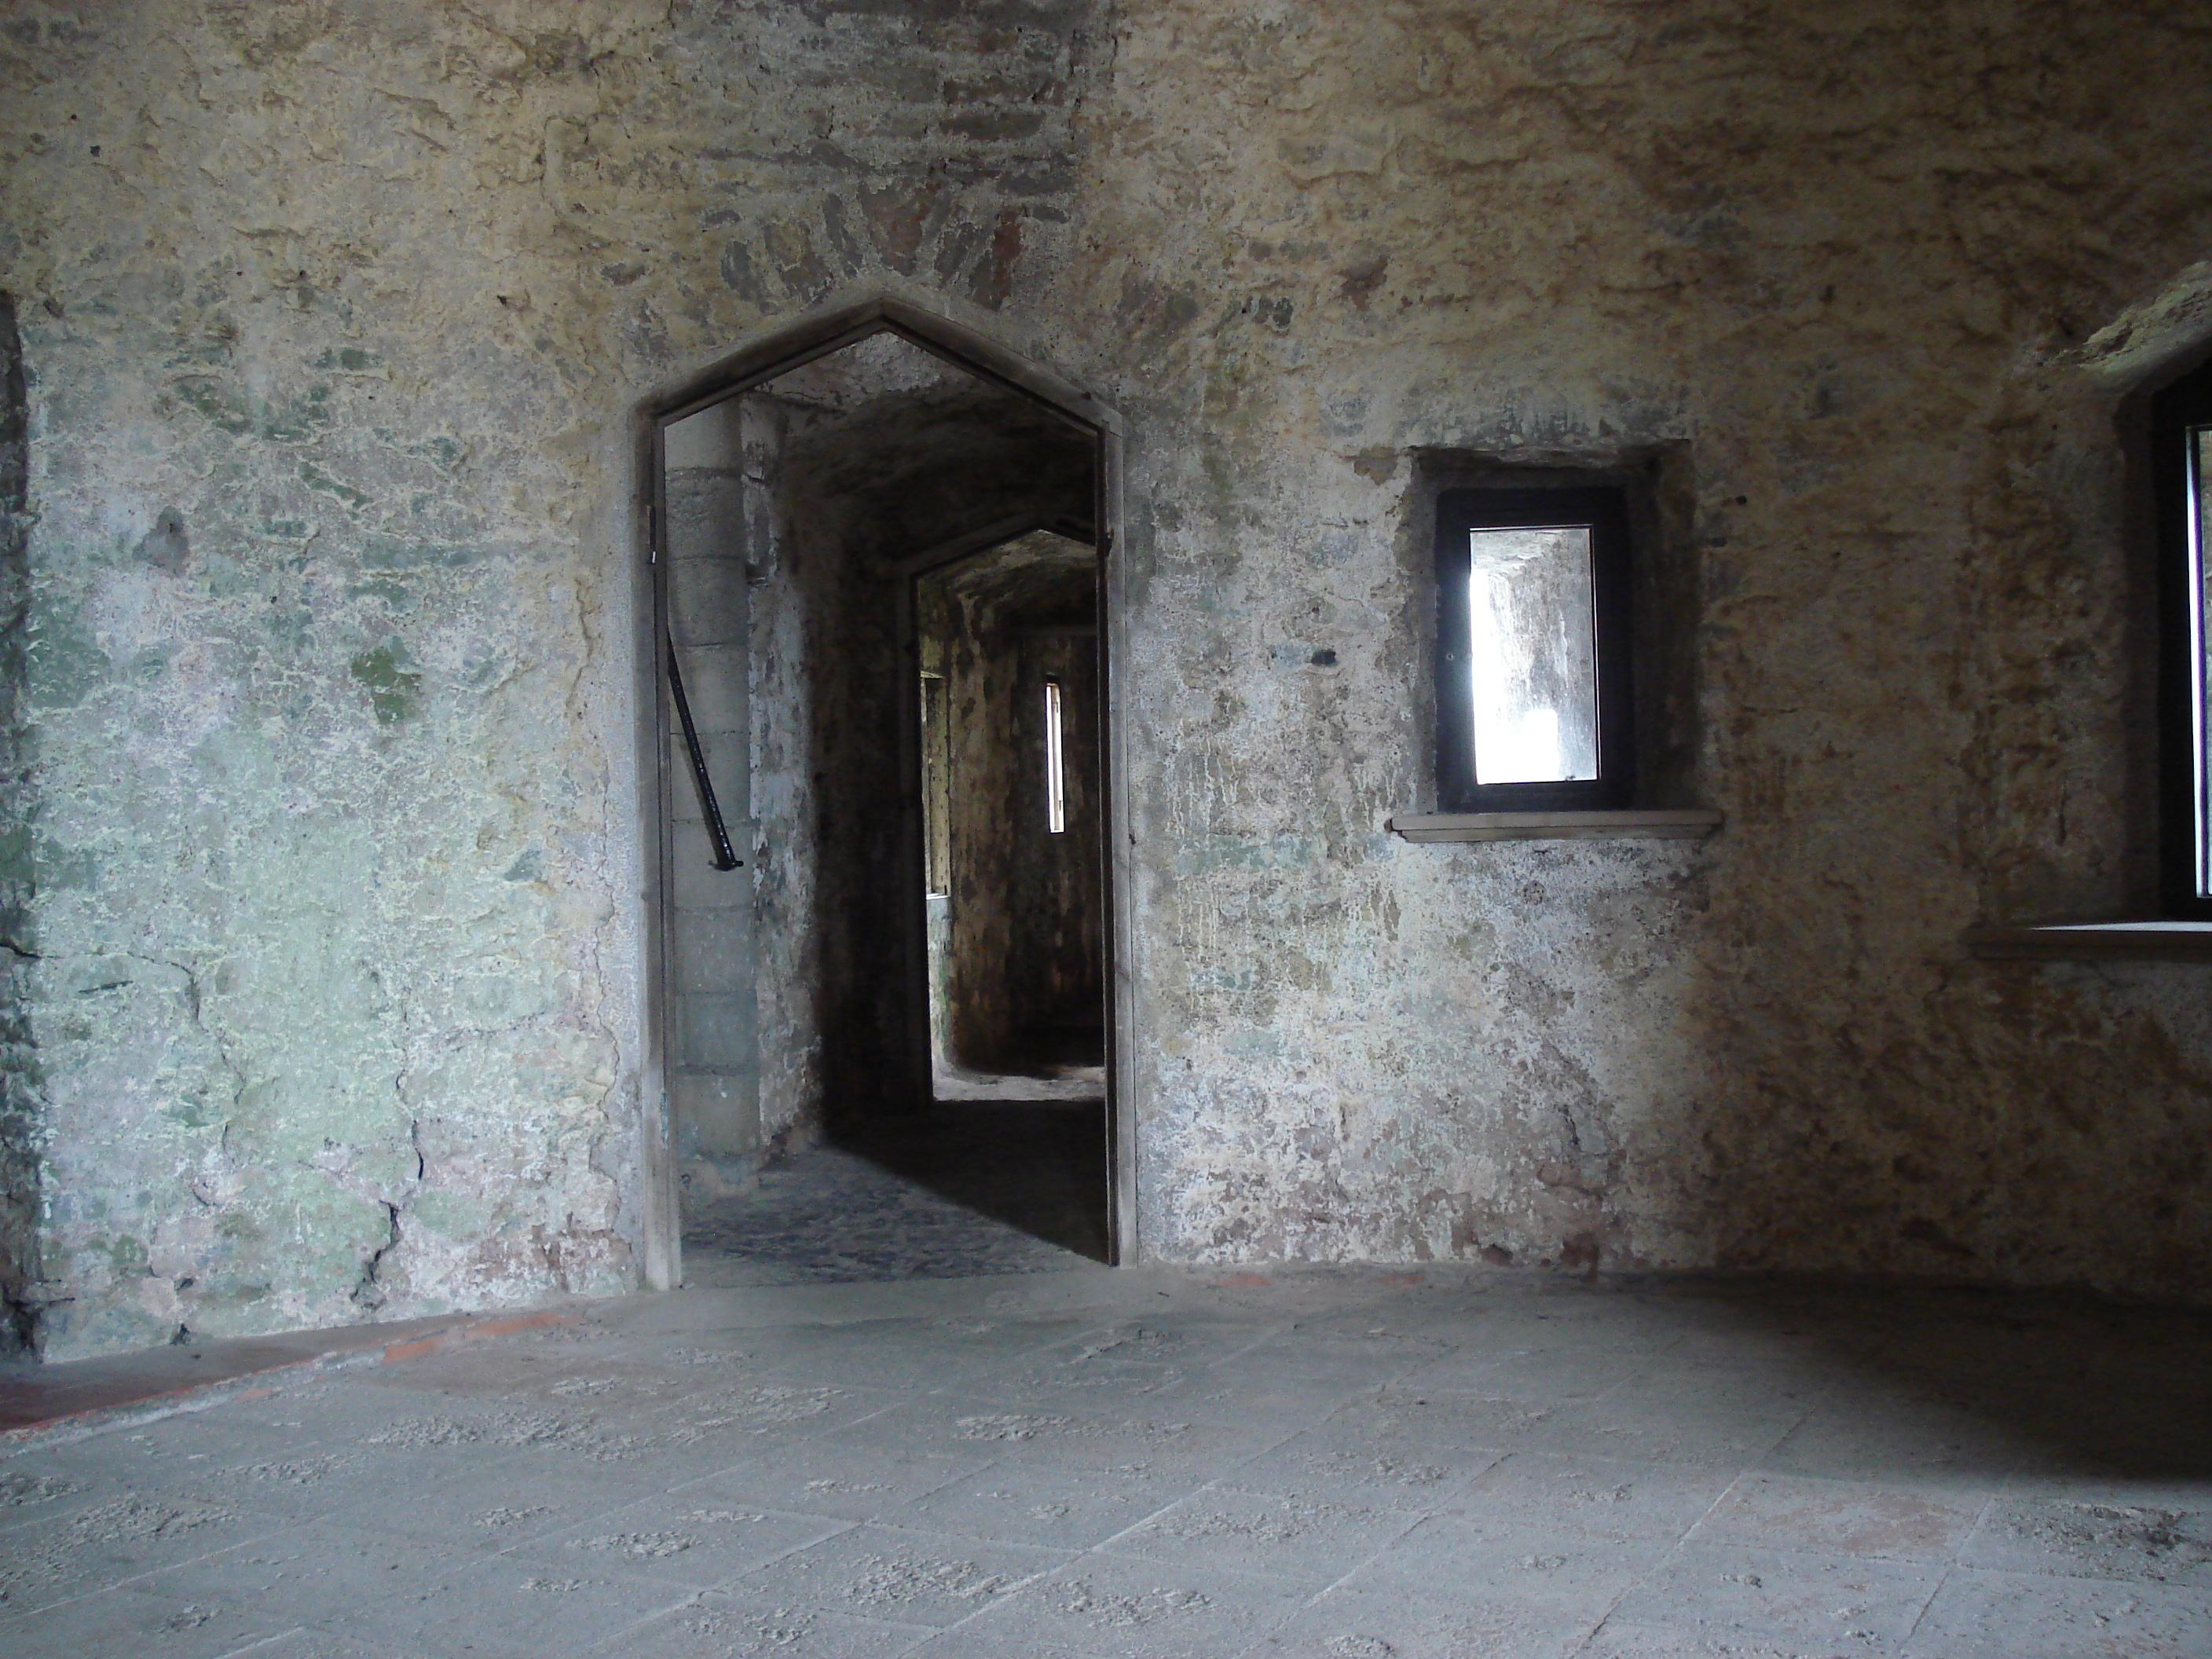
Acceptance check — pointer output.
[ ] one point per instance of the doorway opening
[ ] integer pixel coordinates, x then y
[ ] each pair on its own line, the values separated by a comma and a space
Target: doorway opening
885, 973
1007, 645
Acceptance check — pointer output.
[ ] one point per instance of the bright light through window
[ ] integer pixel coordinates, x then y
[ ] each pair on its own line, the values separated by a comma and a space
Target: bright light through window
1055, 771
1533, 655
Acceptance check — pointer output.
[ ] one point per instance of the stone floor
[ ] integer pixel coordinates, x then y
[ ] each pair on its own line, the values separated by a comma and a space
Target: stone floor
954, 1190
1144, 1463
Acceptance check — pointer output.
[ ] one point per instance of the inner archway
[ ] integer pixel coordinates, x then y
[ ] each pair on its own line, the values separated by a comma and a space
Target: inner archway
815, 508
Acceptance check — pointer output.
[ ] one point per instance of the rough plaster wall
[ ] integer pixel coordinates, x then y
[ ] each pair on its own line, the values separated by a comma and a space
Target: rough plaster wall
836, 822
333, 348
785, 606
338, 313
21, 1087
983, 782
710, 1048
1847, 259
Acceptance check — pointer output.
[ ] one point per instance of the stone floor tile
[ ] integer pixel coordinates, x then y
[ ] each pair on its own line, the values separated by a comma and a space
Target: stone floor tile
1563, 1574
719, 1624
1378, 1342
1895, 1438
917, 1354
344, 1411
1613, 1319
744, 1352
900, 1576
1323, 1462
1122, 1608
1626, 1423
1607, 1498
1048, 1501
1316, 1540
965, 1427
703, 1435
34, 1491
827, 1476
2172, 1488
687, 1538
1784, 1595
2094, 1538
1842, 1518
322, 1479
835, 1216
329, 1644
365, 1583
1257, 1387
550, 1376
1619, 1638
523, 1608
123, 1624
1178, 1341
160, 1453
503, 1501
742, 1411
1060, 1384
1353, 1624
1776, 1388
120, 1537
1550, 1375
1396, 1418
2007, 1615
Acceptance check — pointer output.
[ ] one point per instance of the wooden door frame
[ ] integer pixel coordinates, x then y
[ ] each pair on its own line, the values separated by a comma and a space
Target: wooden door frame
743, 371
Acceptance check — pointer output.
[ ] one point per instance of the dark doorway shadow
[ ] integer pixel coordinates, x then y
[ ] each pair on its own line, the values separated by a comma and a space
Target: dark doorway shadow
1037, 1166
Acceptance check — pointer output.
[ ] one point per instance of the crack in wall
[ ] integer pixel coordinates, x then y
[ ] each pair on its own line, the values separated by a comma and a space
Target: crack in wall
370, 1291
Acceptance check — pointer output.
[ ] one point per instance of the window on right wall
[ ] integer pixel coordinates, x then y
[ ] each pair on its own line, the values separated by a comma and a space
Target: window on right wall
1533, 650
2181, 436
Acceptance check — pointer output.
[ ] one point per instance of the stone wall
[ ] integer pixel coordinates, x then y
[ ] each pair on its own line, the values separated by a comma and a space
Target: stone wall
21, 1087
336, 318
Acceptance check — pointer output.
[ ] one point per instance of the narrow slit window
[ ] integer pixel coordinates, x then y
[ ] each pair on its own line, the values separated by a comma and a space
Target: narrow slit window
1055, 762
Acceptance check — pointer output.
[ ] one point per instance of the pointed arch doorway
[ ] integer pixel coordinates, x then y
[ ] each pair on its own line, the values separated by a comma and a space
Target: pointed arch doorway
790, 943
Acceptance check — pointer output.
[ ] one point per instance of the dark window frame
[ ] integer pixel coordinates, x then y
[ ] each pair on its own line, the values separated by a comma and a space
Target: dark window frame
1605, 509
2185, 696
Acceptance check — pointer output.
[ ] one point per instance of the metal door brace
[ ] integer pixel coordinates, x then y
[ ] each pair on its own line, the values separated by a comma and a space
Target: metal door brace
726, 857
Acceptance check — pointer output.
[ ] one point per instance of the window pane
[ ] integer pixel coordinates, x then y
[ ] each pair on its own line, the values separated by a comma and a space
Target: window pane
1534, 655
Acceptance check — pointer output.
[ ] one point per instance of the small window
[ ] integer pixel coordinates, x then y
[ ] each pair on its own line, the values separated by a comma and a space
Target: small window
1533, 650
2181, 435
1055, 762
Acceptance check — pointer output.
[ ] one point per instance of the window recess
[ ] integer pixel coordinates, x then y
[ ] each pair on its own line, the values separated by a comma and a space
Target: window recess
2181, 484
2181, 471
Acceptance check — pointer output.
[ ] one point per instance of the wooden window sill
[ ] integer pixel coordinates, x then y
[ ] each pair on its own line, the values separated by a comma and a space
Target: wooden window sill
2094, 941
1635, 823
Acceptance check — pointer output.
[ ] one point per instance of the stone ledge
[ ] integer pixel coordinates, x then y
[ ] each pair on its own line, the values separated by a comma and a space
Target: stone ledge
2093, 941
1633, 824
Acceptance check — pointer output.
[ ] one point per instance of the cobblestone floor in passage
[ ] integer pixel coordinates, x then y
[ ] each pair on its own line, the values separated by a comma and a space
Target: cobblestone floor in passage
956, 1190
